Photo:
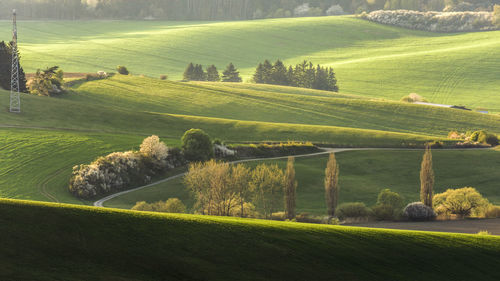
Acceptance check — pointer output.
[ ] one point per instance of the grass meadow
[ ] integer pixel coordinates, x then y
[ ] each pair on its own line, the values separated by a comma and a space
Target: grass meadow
84, 242
370, 59
363, 174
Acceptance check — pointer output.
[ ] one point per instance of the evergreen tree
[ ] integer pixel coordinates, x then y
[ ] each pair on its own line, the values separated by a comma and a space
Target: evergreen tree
231, 74
332, 81
290, 189
199, 74
258, 76
213, 74
279, 74
267, 69
6, 68
331, 185
189, 72
427, 178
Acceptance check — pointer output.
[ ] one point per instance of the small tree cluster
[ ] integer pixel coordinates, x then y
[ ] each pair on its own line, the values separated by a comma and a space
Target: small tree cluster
48, 82
195, 72
224, 190
304, 75
389, 205
121, 170
172, 205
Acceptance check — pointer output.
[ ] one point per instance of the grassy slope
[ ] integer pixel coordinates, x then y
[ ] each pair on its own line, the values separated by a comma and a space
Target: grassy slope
117, 113
144, 246
370, 59
363, 174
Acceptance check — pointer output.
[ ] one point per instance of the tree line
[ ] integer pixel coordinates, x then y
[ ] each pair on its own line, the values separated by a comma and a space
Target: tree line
217, 9
221, 189
304, 75
195, 72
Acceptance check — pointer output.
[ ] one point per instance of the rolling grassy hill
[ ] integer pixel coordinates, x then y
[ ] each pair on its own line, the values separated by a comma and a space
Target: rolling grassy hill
370, 59
363, 174
96, 244
52, 135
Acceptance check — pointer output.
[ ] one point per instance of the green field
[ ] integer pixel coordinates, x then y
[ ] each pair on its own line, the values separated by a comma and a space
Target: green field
81, 243
52, 135
363, 174
370, 59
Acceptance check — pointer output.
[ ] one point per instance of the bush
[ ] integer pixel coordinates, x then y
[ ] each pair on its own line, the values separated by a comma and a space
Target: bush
352, 210
492, 212
120, 170
389, 205
122, 70
462, 202
413, 98
163, 77
308, 218
172, 205
48, 82
274, 149
418, 211
197, 146
484, 137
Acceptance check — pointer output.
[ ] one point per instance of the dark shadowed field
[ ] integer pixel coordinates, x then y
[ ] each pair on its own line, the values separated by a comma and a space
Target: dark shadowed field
471, 226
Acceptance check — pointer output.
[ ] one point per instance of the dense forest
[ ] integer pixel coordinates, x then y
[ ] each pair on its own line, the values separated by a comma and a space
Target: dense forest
220, 9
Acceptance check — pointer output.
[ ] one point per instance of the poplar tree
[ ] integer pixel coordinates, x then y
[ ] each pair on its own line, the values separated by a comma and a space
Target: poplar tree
427, 178
290, 189
331, 185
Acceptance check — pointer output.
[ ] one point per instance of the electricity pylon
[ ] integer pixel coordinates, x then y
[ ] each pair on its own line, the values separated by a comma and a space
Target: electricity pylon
15, 99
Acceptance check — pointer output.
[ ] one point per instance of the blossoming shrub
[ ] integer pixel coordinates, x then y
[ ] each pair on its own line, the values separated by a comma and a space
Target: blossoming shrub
435, 21
418, 211
121, 170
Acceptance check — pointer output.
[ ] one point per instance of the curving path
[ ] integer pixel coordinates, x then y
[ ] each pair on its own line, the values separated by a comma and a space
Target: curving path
100, 202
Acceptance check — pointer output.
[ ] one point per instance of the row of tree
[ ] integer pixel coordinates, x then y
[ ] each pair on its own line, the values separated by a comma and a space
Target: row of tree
196, 73
216, 9
304, 75
224, 190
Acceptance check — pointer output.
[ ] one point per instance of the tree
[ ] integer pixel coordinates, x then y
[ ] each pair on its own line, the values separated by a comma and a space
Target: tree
198, 73
189, 72
462, 201
426, 178
48, 82
213, 74
290, 189
258, 76
231, 74
279, 74
267, 187
151, 147
197, 145
240, 180
331, 185
496, 16
216, 187
389, 205
6, 68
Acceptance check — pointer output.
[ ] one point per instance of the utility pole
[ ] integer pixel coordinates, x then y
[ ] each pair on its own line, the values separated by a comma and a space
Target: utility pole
15, 99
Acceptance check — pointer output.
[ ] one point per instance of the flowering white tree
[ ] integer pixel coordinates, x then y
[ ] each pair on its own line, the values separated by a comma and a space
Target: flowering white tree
152, 147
